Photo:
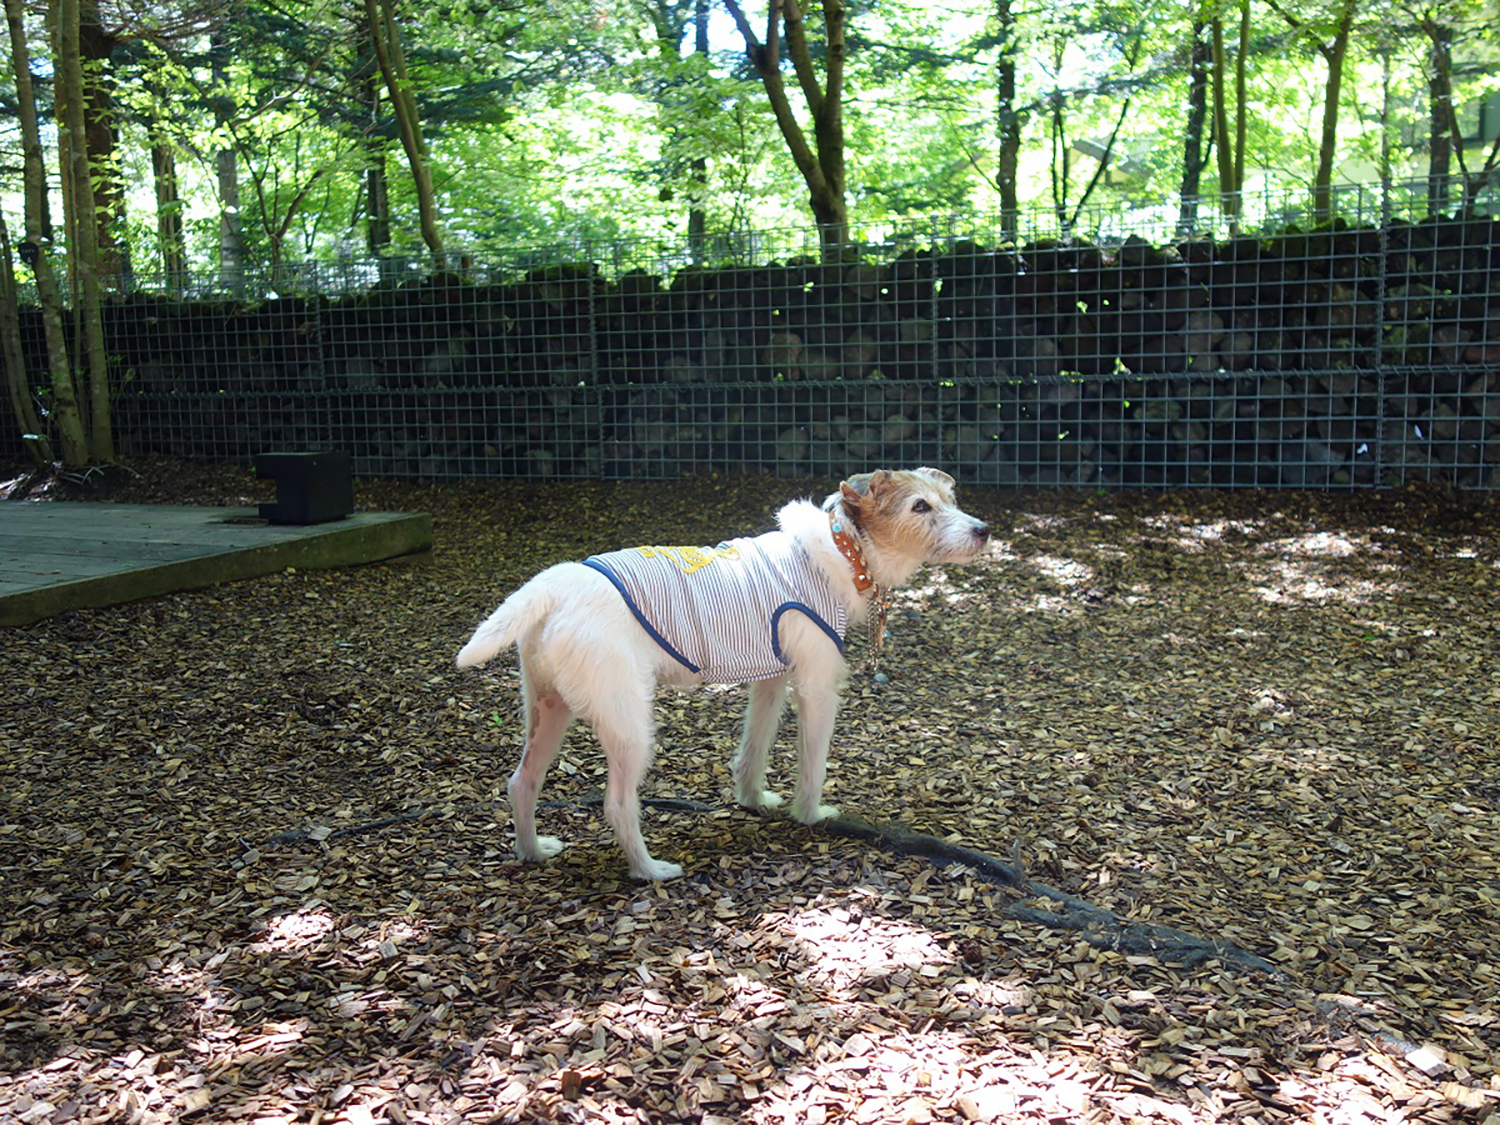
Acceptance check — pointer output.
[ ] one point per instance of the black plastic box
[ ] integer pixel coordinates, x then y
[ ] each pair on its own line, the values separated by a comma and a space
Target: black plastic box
310, 487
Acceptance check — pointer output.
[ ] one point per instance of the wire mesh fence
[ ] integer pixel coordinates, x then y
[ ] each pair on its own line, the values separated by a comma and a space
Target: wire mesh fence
1364, 352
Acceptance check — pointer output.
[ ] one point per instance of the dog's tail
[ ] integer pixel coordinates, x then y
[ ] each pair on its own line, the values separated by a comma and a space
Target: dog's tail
518, 615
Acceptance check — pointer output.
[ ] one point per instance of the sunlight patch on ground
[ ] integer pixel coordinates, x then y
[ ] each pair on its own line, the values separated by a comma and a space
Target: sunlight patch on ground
1305, 569
1295, 582
930, 1074
1036, 521
1311, 759
1193, 537
939, 585
846, 947
999, 550
292, 931
1052, 604
1324, 544
1068, 573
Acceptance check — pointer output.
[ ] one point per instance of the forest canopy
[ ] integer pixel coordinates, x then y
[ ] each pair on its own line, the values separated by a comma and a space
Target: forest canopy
216, 133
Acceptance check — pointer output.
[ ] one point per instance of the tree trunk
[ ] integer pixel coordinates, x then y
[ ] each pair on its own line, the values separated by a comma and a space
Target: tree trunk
374, 197
1334, 53
1199, 66
83, 245
101, 140
64, 413
1068, 212
829, 206
377, 205
386, 39
169, 228
1008, 123
1241, 100
821, 162
697, 214
1441, 140
1230, 150
227, 172
17, 383
1061, 164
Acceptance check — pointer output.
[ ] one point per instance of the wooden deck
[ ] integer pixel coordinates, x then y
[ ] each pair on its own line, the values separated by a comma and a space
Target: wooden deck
57, 556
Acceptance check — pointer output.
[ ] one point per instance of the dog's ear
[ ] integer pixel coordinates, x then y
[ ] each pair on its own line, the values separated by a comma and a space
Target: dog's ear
863, 487
938, 476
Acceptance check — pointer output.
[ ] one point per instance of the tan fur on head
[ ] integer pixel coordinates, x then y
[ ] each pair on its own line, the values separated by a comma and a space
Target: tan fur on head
906, 517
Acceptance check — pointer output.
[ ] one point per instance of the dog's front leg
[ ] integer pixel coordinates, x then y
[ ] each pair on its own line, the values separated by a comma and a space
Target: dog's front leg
762, 718
816, 709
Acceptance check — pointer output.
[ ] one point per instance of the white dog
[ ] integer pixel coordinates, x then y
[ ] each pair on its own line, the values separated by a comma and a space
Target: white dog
595, 638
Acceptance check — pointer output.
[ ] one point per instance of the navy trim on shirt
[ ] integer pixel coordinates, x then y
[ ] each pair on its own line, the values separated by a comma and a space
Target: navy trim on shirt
816, 620
641, 617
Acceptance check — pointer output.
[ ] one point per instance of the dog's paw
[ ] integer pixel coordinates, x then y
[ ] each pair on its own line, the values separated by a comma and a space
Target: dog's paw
543, 848
762, 800
656, 869
818, 812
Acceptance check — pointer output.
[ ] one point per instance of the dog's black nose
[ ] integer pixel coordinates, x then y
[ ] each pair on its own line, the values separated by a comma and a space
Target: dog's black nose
982, 532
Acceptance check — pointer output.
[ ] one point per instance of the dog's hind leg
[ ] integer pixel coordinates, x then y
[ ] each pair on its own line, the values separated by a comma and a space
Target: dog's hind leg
547, 718
625, 732
816, 709
762, 718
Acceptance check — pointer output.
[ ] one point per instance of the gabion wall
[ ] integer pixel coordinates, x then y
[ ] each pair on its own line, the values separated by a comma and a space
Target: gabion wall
1359, 355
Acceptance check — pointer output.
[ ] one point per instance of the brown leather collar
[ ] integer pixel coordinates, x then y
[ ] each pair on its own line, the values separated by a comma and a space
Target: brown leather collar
849, 547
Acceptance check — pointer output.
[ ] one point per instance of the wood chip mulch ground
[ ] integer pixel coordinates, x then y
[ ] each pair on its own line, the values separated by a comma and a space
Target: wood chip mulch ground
254, 862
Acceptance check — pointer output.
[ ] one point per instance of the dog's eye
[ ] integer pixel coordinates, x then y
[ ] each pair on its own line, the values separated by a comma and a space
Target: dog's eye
921, 506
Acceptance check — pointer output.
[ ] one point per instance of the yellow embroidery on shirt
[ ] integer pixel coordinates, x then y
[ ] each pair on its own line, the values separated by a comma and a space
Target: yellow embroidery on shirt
690, 560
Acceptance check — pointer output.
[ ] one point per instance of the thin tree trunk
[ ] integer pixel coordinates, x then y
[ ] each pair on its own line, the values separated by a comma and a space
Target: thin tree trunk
169, 228
83, 245
170, 234
1335, 53
374, 197
1199, 66
1441, 140
227, 172
1104, 162
64, 413
1008, 123
1230, 150
101, 137
1061, 164
697, 214
17, 383
821, 162
377, 205
386, 39
1241, 100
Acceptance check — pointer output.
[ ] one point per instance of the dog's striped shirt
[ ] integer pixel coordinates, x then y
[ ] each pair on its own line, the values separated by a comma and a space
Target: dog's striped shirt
717, 610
